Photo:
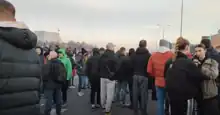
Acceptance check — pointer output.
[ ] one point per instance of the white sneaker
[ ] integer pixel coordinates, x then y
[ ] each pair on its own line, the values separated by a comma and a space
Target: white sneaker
72, 87
93, 106
80, 94
98, 106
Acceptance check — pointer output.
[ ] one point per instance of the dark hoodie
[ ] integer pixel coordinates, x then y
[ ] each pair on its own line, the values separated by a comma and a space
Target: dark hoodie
125, 71
20, 70
92, 65
140, 61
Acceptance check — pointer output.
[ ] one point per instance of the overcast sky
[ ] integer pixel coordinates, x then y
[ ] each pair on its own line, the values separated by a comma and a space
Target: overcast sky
120, 21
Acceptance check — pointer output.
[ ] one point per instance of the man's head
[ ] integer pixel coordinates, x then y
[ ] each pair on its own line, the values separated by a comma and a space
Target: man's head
102, 51
131, 51
200, 51
7, 11
206, 42
123, 51
110, 46
95, 51
39, 50
164, 43
143, 44
61, 53
52, 55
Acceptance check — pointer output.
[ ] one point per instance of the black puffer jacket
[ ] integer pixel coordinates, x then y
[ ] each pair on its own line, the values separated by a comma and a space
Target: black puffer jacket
140, 61
19, 72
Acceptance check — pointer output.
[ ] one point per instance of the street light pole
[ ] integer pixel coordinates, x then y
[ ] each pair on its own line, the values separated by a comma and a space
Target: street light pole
58, 30
181, 20
162, 30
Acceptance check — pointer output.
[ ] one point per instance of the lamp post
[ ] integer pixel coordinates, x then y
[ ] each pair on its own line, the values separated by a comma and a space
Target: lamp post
58, 30
181, 20
162, 30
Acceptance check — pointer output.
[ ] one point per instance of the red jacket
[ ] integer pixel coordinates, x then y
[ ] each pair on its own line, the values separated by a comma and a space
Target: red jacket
156, 66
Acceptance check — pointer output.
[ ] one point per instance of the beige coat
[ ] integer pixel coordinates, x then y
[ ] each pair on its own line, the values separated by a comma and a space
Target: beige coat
209, 87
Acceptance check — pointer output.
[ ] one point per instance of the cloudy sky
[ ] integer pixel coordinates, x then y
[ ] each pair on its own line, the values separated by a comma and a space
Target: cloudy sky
123, 22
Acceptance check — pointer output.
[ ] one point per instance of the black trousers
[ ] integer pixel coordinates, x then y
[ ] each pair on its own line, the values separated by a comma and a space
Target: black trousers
154, 95
178, 106
64, 89
219, 98
95, 91
210, 106
130, 85
199, 101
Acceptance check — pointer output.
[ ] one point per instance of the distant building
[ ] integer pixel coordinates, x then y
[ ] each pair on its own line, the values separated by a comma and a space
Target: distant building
45, 36
216, 40
205, 37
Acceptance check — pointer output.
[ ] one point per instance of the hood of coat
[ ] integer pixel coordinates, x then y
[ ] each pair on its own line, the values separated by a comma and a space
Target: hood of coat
17, 34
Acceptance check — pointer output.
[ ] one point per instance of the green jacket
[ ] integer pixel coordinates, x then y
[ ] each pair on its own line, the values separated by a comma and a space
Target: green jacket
67, 63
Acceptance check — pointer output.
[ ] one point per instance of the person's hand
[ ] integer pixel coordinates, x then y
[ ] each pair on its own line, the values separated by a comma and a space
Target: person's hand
196, 61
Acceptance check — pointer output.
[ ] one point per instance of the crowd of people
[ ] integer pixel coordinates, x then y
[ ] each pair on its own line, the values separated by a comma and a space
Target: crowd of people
176, 78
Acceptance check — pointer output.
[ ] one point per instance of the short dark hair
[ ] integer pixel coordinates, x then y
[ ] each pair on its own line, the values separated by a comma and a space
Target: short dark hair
206, 42
95, 51
5, 5
131, 51
122, 49
102, 49
200, 46
143, 43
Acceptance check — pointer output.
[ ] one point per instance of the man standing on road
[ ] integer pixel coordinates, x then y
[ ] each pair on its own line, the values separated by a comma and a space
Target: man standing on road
108, 66
140, 78
68, 66
19, 66
101, 51
213, 53
92, 67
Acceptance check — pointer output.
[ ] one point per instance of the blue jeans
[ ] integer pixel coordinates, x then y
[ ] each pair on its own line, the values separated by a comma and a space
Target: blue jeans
84, 82
49, 93
80, 84
160, 100
121, 91
140, 94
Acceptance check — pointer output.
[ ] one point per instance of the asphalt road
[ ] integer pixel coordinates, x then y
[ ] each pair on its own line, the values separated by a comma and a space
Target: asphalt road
80, 106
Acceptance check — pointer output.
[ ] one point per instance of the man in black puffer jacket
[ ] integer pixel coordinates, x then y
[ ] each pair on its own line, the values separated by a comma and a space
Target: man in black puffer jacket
19, 66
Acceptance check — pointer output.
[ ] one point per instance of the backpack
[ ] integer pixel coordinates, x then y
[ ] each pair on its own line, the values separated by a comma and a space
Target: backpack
57, 72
